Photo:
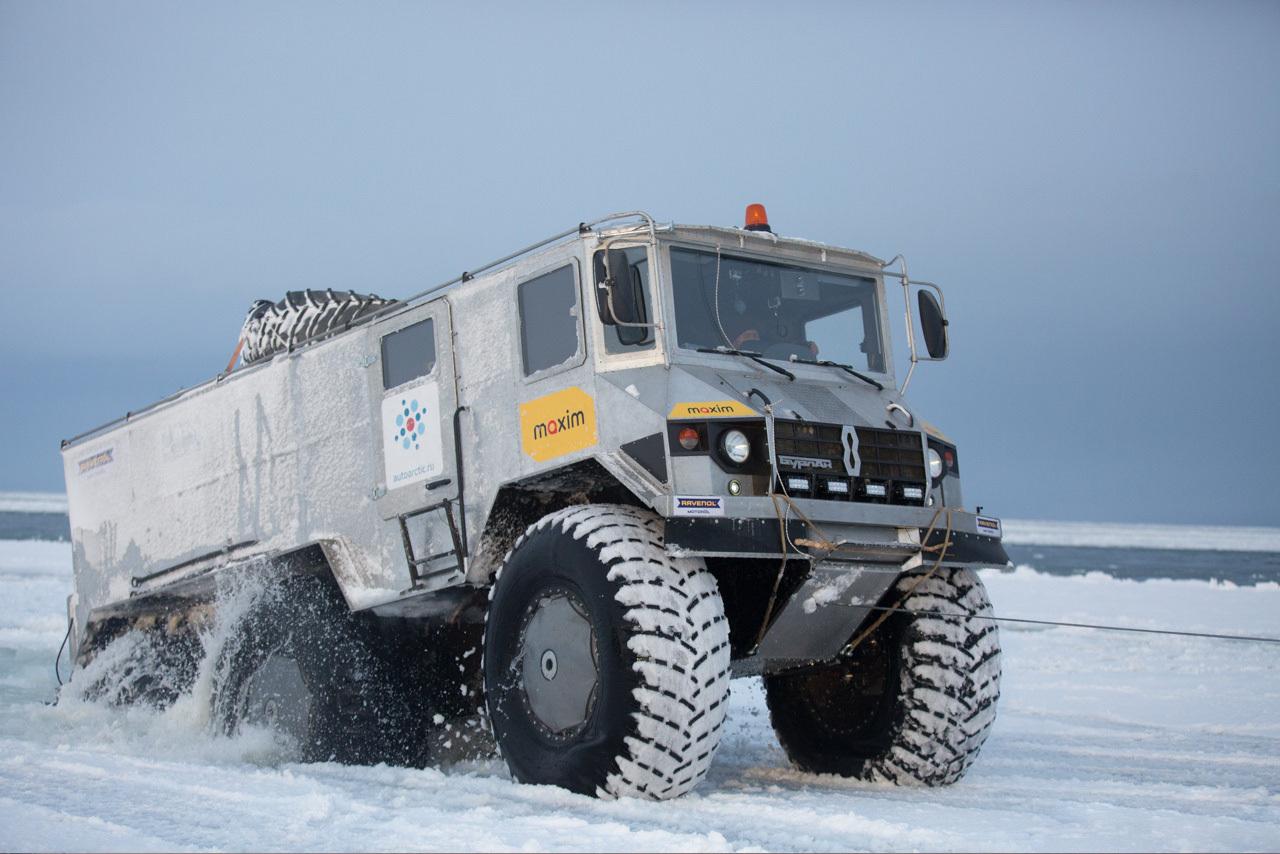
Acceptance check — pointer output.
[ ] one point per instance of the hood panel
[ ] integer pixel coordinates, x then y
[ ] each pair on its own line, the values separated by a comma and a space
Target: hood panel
831, 403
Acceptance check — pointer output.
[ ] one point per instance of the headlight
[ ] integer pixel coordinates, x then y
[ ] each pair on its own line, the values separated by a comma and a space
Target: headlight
735, 446
935, 464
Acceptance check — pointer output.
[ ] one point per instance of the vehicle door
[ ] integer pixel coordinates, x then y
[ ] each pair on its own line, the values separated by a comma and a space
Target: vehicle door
556, 400
414, 394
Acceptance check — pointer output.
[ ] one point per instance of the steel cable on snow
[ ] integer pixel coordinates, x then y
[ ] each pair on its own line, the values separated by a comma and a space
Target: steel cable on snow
1072, 625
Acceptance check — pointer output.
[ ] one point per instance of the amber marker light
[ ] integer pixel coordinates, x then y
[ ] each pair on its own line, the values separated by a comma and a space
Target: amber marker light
757, 219
689, 438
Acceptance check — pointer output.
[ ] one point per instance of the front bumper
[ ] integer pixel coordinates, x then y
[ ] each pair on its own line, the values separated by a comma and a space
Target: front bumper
852, 563
862, 533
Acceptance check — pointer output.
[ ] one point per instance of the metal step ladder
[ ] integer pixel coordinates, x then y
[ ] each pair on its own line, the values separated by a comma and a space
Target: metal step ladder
422, 570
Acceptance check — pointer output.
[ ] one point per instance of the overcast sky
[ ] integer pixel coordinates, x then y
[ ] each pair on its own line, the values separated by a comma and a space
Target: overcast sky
1096, 185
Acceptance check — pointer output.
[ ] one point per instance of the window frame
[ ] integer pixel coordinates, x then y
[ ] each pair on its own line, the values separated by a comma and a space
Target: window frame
887, 377
650, 305
656, 355
382, 353
580, 354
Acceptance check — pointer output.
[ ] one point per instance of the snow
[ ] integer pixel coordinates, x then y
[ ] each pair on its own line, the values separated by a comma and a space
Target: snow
1124, 535
1103, 742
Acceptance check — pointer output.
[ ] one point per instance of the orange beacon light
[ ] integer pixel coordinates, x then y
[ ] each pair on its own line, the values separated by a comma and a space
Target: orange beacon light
757, 219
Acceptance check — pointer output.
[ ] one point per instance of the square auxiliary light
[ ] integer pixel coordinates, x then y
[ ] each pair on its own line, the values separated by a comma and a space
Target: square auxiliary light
875, 490
913, 493
796, 483
839, 487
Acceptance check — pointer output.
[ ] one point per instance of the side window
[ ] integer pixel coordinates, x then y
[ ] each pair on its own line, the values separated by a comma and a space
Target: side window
549, 328
631, 302
408, 353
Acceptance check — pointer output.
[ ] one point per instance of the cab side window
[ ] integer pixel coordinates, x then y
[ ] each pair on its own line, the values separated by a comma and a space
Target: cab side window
550, 333
631, 301
408, 353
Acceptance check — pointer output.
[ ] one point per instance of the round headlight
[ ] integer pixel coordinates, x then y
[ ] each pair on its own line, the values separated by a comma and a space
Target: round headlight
935, 464
736, 446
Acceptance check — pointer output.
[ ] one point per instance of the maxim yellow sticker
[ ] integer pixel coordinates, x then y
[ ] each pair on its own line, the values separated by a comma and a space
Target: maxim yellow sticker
712, 409
558, 424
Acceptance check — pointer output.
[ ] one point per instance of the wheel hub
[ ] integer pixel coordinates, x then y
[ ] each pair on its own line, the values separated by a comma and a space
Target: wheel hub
277, 698
559, 672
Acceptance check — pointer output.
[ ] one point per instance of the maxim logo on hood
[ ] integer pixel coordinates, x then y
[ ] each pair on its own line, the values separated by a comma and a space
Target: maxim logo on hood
711, 409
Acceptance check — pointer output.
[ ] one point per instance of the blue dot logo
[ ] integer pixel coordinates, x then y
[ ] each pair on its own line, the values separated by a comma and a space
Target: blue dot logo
411, 426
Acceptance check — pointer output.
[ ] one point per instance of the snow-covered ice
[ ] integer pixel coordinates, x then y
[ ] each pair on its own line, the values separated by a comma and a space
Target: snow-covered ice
33, 502
1103, 742
1123, 535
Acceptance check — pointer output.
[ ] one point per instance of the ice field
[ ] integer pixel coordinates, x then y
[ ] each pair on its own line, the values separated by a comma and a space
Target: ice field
1104, 741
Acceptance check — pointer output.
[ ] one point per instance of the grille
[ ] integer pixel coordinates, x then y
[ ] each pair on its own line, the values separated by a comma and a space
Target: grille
891, 455
891, 459
814, 441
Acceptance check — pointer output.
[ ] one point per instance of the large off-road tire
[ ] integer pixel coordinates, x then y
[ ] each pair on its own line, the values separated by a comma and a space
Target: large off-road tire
914, 702
606, 660
302, 665
147, 665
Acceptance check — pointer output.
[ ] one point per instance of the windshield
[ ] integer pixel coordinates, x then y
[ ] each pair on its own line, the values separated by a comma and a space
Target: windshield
776, 310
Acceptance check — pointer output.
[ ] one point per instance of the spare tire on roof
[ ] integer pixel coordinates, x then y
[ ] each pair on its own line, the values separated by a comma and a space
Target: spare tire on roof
273, 327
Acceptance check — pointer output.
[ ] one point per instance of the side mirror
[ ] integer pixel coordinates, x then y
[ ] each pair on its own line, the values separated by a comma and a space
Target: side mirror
933, 324
620, 298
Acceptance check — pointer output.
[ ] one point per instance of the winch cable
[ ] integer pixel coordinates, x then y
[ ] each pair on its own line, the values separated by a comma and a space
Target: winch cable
941, 548
1074, 625
829, 546
784, 541
716, 290
57, 661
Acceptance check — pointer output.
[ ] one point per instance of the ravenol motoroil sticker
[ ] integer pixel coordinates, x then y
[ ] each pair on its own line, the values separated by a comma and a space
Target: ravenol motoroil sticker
711, 409
558, 424
990, 527
413, 448
698, 505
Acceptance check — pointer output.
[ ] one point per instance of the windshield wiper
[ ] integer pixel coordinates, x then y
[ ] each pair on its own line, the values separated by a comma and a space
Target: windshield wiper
827, 363
755, 357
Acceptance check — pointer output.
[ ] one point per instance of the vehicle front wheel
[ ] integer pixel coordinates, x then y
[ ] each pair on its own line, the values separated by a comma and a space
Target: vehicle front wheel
606, 660
912, 704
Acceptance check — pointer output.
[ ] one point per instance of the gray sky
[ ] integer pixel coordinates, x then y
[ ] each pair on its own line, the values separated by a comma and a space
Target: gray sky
1096, 185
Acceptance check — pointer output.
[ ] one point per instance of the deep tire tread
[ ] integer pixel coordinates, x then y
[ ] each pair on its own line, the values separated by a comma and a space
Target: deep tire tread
679, 637
949, 683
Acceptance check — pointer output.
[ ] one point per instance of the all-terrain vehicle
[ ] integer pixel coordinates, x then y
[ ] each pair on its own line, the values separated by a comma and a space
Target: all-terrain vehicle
573, 492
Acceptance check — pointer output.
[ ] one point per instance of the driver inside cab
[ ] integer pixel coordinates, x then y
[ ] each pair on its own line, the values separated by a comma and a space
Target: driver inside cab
755, 316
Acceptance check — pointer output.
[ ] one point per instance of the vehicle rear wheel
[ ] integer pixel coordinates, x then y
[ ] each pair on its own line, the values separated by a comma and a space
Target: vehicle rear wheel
914, 702
306, 668
606, 661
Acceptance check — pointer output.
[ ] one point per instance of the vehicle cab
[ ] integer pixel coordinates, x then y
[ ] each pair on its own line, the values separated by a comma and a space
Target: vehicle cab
783, 411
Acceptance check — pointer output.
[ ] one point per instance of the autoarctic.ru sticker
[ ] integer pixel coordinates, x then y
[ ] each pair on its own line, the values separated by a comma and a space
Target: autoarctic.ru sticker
990, 527
699, 505
412, 446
